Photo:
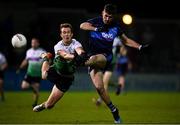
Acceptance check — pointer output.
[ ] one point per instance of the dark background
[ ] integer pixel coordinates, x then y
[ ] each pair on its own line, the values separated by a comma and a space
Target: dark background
156, 22
165, 9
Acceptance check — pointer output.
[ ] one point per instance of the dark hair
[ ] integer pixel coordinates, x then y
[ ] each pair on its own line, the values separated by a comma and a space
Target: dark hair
36, 38
110, 8
66, 25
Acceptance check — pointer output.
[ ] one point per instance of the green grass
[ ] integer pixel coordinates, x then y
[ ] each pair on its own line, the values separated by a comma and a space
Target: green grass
78, 108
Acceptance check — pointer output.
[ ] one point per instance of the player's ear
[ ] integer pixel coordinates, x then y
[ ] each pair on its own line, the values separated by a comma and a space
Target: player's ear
102, 12
60, 34
72, 34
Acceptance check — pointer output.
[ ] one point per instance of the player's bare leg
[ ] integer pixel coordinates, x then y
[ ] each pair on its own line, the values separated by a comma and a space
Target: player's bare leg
25, 85
121, 83
54, 97
97, 61
96, 77
35, 88
106, 78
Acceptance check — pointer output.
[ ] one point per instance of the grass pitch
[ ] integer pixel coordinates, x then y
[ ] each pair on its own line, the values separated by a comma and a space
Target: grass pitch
78, 108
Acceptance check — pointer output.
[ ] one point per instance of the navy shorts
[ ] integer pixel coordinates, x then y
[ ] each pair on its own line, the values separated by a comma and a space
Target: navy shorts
62, 82
110, 67
122, 69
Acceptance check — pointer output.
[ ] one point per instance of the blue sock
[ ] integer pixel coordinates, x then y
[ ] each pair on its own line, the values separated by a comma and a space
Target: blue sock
111, 107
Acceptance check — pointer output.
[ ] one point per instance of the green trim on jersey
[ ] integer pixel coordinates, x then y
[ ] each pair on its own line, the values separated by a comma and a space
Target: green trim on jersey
34, 69
63, 66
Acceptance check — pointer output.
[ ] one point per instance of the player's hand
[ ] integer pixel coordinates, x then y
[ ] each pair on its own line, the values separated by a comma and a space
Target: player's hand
102, 29
81, 59
46, 56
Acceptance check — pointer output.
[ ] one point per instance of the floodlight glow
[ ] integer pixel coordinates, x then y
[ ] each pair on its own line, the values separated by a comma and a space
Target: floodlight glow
127, 19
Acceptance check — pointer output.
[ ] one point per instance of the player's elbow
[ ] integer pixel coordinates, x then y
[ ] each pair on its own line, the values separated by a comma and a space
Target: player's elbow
85, 25
82, 26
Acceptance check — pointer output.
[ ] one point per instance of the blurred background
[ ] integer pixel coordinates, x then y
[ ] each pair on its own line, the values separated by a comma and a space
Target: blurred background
157, 68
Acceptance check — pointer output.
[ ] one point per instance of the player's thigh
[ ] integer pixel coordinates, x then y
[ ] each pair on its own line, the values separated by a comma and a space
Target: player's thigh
25, 84
55, 95
99, 60
106, 77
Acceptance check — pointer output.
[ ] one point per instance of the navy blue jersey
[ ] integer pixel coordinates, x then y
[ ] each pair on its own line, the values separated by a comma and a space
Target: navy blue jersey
101, 42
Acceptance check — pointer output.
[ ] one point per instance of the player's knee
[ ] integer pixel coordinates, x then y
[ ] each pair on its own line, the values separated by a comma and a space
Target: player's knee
24, 87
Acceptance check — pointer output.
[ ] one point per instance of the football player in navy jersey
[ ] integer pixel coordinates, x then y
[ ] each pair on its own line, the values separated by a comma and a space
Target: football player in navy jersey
102, 31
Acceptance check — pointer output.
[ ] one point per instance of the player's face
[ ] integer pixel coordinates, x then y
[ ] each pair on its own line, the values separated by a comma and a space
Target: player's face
66, 35
107, 18
34, 43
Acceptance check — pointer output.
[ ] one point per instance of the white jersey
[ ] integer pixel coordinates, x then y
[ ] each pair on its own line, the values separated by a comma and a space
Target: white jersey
69, 49
116, 42
2, 59
34, 61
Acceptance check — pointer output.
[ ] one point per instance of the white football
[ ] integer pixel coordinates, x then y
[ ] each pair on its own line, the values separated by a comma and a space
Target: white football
18, 41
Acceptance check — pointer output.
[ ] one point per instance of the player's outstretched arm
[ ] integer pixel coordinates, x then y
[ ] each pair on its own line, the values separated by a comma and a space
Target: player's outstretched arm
87, 26
65, 55
129, 42
80, 56
24, 63
46, 64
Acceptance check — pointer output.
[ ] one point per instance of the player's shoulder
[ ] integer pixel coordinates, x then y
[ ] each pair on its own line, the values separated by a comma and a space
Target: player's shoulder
29, 50
95, 19
74, 41
98, 18
41, 49
58, 44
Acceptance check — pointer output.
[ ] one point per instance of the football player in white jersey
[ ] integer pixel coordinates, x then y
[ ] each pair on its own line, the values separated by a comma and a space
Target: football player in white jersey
3, 66
68, 52
33, 76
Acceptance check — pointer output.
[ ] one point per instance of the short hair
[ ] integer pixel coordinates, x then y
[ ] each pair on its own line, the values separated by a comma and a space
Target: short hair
66, 25
36, 38
110, 8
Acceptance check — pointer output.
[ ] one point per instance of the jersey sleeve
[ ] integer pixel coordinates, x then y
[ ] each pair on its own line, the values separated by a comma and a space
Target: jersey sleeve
94, 21
55, 49
77, 44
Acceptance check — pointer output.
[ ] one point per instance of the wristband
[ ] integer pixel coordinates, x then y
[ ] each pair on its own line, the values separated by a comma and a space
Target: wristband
139, 48
45, 59
96, 29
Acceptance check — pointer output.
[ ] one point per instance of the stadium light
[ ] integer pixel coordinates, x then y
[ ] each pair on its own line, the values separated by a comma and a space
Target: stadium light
127, 19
